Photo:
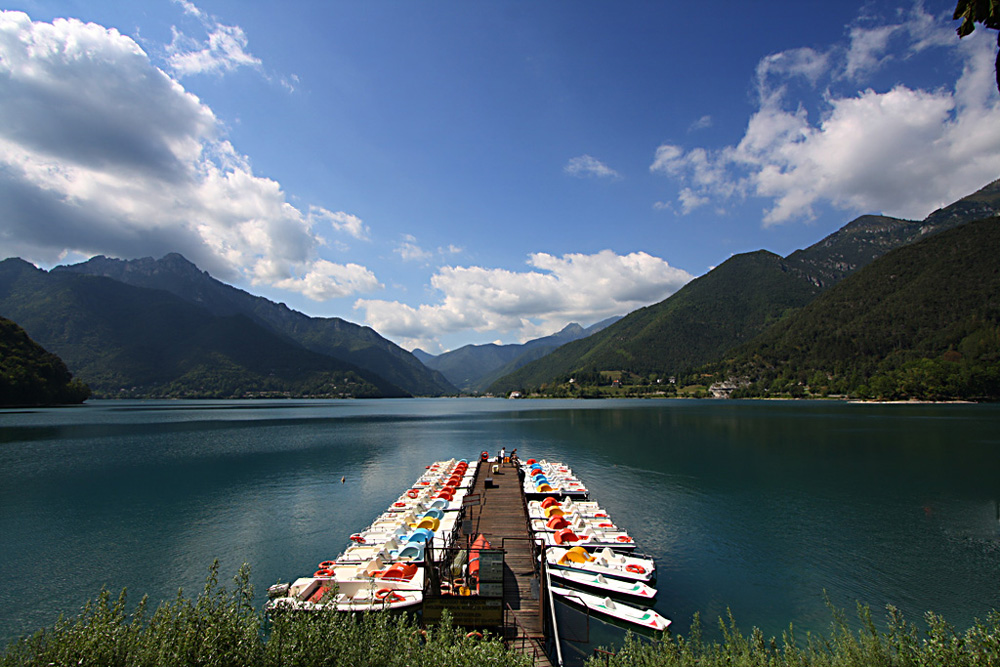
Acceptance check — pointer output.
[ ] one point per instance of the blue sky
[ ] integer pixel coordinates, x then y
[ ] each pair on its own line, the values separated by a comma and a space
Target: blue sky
469, 172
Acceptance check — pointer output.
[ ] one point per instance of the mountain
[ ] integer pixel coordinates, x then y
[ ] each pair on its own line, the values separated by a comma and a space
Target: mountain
29, 375
132, 341
856, 244
863, 240
923, 321
472, 368
699, 322
738, 300
983, 203
356, 345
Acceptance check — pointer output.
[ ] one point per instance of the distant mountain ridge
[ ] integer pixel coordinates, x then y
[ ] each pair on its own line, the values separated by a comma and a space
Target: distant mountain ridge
738, 300
472, 368
138, 342
359, 346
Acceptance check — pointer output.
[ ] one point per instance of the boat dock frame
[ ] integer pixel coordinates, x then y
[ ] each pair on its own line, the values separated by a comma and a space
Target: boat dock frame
503, 519
497, 508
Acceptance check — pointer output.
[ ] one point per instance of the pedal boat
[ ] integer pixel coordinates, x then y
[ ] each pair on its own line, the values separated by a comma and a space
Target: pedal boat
606, 585
594, 539
605, 606
352, 587
604, 561
315, 594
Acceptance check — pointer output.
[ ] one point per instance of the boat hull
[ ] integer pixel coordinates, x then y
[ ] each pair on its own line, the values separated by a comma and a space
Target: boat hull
646, 619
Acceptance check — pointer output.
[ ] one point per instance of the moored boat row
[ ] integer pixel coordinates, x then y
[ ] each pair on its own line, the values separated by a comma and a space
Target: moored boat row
543, 479
584, 550
382, 567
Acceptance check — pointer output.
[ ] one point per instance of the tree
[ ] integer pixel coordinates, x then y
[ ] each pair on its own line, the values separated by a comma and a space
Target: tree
986, 12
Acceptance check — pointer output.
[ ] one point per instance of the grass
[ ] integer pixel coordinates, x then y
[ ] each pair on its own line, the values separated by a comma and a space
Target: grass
222, 628
900, 645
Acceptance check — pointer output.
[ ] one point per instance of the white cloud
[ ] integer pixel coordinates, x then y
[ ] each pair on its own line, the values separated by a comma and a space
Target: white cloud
326, 280
702, 123
668, 159
101, 152
902, 151
340, 221
559, 290
690, 201
802, 63
586, 166
868, 49
410, 251
223, 50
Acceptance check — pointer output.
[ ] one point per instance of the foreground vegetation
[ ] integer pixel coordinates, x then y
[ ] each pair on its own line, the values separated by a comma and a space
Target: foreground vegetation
223, 627
900, 645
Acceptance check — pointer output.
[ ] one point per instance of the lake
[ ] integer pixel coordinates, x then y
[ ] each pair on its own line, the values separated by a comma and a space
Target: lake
758, 507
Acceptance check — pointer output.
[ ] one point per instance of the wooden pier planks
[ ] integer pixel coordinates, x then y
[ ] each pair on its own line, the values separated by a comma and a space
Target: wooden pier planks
502, 518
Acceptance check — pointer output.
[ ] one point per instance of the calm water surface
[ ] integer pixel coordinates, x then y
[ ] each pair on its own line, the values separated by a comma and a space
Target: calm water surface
755, 506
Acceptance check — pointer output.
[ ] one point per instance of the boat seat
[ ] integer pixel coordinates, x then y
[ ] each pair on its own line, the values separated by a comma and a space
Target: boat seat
610, 556
376, 565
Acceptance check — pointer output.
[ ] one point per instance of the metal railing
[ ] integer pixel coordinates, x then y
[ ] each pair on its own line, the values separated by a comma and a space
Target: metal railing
521, 636
555, 622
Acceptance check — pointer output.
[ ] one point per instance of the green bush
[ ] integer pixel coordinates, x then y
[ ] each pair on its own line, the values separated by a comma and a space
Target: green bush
223, 629
899, 645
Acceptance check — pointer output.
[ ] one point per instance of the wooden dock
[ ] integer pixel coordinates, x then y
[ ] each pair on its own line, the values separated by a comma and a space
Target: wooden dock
502, 517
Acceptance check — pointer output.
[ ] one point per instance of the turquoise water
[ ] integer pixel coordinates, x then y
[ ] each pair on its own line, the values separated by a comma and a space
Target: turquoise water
755, 506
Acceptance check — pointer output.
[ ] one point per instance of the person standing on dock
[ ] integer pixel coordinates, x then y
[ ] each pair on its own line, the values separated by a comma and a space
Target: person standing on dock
503, 453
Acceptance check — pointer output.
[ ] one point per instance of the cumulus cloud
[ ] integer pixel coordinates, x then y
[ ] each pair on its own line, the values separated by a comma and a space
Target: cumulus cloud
340, 221
586, 166
410, 251
326, 280
101, 152
528, 304
903, 151
223, 50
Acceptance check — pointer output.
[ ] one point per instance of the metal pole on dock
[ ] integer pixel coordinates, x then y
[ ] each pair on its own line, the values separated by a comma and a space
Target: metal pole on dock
552, 609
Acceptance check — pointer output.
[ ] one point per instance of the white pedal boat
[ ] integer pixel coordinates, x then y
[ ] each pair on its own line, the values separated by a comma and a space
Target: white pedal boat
567, 537
643, 618
542, 478
543, 509
556, 486
313, 594
606, 585
576, 522
605, 561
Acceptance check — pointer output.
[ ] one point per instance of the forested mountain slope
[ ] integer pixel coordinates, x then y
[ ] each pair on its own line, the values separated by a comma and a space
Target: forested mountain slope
356, 345
921, 322
131, 341
29, 375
